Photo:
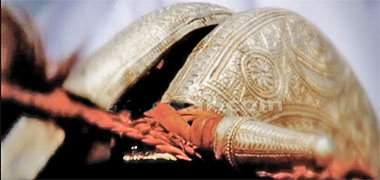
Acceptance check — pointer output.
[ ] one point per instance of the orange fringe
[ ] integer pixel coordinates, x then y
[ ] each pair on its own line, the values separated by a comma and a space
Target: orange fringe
149, 130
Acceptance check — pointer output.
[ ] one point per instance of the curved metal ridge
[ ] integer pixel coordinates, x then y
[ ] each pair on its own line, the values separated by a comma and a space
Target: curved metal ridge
120, 63
243, 139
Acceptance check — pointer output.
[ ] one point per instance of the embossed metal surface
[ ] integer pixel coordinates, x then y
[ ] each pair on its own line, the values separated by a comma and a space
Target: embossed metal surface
117, 66
276, 56
244, 139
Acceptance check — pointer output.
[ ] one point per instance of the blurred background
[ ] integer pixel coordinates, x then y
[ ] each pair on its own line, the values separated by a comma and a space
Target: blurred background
352, 25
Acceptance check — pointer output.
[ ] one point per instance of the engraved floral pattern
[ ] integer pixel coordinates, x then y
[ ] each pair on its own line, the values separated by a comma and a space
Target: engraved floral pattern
261, 73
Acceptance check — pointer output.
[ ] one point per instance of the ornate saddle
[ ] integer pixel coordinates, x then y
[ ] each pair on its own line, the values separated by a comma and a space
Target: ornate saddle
285, 93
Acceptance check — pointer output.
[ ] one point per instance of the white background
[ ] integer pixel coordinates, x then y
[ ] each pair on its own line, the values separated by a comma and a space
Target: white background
352, 25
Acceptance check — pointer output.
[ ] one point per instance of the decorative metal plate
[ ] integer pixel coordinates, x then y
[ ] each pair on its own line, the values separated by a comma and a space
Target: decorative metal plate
120, 63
